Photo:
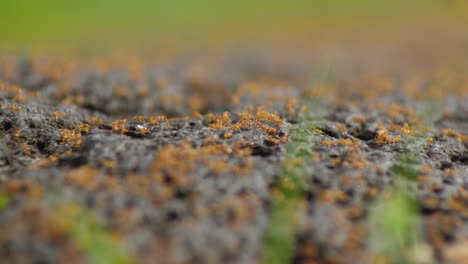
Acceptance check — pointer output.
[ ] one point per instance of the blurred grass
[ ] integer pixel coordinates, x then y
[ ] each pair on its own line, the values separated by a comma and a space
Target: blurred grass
97, 242
104, 23
4, 200
279, 242
394, 228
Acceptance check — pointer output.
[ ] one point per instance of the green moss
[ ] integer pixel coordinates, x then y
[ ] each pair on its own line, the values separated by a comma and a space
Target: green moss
96, 240
279, 239
4, 200
394, 226
394, 220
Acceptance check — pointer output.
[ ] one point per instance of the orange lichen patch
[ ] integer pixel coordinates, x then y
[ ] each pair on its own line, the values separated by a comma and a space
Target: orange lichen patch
58, 114
345, 141
216, 166
273, 140
79, 99
266, 129
154, 120
211, 140
383, 137
15, 91
23, 187
379, 170
17, 135
329, 143
119, 126
430, 202
354, 213
371, 192
449, 172
109, 164
450, 133
332, 196
173, 164
309, 251
197, 115
430, 140
245, 116
336, 142
143, 130
227, 135
140, 118
235, 209
456, 204
426, 169
74, 138
405, 129
25, 147
267, 116
84, 177
359, 119
436, 188
16, 108
43, 163
83, 128
219, 122
138, 185
336, 161
246, 120
423, 179
360, 162
318, 131
245, 168
111, 184
340, 127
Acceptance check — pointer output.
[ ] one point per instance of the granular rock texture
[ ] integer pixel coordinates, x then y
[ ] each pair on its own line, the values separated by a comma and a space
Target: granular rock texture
179, 164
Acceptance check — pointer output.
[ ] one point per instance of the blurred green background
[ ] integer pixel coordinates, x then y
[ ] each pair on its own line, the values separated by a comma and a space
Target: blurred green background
26, 24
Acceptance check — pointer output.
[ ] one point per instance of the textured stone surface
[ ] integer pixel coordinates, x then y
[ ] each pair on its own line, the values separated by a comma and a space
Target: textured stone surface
195, 185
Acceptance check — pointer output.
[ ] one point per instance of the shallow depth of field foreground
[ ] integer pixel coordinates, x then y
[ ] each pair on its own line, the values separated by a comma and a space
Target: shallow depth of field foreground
247, 132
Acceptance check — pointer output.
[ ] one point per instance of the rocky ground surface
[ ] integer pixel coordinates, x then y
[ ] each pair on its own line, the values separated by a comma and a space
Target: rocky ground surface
180, 163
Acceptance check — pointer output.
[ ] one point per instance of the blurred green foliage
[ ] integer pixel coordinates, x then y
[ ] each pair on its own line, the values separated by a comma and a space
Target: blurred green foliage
96, 240
28, 22
394, 227
4, 200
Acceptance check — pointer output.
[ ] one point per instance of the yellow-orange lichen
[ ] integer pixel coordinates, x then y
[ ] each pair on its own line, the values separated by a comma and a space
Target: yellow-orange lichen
96, 121
267, 116
17, 134
58, 114
450, 133
23, 187
220, 122
140, 118
83, 177
25, 147
359, 119
16, 108
383, 137
340, 128
73, 137
154, 120
119, 126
